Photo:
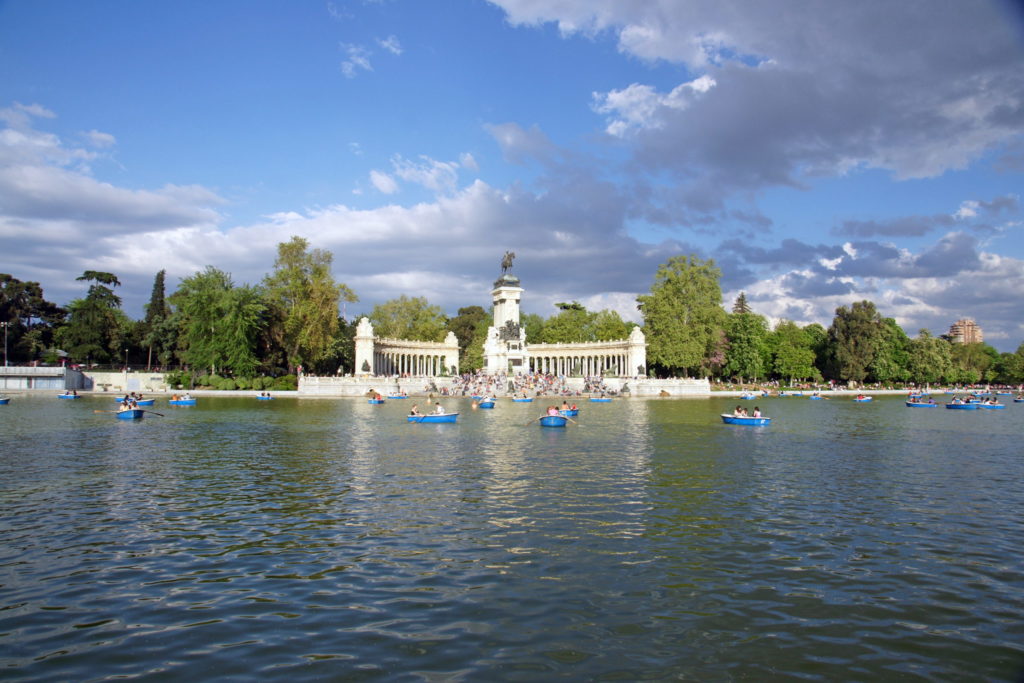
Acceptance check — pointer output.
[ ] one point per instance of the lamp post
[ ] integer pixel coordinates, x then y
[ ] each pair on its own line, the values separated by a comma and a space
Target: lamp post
5, 325
126, 370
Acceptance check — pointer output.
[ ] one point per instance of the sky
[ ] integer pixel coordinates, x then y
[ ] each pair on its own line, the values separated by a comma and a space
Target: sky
821, 153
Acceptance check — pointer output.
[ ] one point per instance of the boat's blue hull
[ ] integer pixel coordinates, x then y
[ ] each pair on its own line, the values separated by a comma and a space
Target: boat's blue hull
396, 398
748, 421
131, 414
600, 400
141, 401
375, 401
522, 400
67, 396
264, 398
814, 398
866, 399
486, 405
962, 406
447, 417
4, 401
993, 406
570, 412
182, 402
553, 421
912, 404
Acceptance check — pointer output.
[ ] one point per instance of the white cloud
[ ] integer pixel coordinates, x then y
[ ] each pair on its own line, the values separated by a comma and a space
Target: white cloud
358, 57
99, 139
383, 182
391, 44
642, 107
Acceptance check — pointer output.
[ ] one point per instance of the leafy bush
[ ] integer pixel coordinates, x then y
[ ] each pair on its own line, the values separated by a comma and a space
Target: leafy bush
242, 382
286, 383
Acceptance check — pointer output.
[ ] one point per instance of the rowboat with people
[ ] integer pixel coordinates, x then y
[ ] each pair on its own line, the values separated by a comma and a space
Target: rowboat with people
433, 417
862, 399
130, 414
68, 396
602, 399
747, 420
4, 400
522, 400
486, 404
920, 404
140, 401
181, 401
553, 421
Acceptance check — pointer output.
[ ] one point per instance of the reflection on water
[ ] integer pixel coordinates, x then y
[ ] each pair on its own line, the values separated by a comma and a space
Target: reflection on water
332, 539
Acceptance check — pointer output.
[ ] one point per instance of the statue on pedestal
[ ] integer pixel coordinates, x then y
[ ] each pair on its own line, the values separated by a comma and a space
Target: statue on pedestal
506, 261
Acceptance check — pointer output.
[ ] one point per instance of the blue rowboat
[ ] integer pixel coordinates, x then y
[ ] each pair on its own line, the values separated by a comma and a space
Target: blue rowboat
141, 401
476, 397
962, 406
395, 398
863, 400
748, 397
1004, 393
1018, 400
68, 396
993, 406
522, 400
4, 401
182, 402
447, 417
600, 400
130, 414
748, 421
913, 404
570, 412
486, 404
375, 401
815, 398
553, 421
264, 398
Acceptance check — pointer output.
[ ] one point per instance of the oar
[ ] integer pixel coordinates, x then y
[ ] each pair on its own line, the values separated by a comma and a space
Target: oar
534, 419
152, 412
106, 411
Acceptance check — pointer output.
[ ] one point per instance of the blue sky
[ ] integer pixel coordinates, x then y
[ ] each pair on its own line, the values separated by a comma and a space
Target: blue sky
821, 154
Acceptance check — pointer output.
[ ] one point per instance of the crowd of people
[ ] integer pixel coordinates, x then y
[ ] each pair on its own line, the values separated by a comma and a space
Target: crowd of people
522, 384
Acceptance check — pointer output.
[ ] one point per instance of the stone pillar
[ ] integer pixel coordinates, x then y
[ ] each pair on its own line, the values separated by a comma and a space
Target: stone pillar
364, 348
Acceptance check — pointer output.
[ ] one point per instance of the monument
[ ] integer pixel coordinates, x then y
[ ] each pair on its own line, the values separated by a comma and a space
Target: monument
506, 348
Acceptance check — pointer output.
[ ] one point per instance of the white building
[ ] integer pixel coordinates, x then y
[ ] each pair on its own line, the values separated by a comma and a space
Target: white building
506, 348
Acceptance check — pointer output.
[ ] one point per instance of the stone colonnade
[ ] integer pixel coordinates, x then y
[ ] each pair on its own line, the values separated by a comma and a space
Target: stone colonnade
625, 357
404, 357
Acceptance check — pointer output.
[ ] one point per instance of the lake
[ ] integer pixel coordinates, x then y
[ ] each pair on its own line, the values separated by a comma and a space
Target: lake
330, 539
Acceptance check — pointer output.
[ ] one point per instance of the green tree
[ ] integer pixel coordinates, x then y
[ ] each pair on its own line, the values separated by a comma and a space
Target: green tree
793, 352
464, 325
892, 356
854, 338
533, 324
683, 315
157, 311
747, 335
220, 323
978, 360
609, 326
305, 297
31, 318
1012, 366
930, 359
573, 324
741, 305
409, 318
94, 330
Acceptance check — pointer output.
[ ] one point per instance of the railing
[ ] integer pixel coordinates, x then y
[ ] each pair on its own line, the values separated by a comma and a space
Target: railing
32, 370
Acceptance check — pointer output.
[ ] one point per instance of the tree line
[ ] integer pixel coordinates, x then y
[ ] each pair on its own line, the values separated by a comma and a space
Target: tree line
219, 333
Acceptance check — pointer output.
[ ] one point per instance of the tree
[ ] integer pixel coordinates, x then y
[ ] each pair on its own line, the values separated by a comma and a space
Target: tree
892, 356
573, 324
409, 318
978, 359
747, 335
854, 338
609, 326
93, 329
157, 311
741, 305
793, 356
32, 319
930, 359
464, 325
220, 323
683, 314
1012, 365
305, 297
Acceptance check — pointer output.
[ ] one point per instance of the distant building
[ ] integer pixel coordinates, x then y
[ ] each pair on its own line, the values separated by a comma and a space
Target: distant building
966, 331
